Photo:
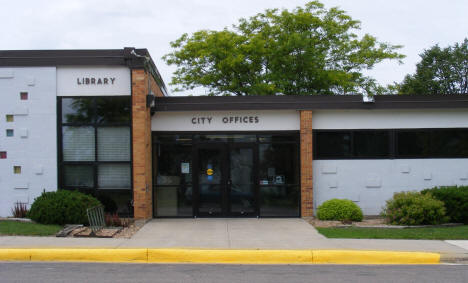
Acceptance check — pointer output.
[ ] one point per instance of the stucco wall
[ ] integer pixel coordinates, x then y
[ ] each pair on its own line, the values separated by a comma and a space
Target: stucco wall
34, 144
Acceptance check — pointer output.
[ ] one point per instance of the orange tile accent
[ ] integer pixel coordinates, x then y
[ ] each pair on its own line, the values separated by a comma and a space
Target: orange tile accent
307, 188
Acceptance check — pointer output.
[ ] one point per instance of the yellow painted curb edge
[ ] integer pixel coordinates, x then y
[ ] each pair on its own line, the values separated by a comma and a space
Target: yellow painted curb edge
220, 256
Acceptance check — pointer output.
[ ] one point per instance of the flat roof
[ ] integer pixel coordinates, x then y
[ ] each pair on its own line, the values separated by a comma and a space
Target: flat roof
83, 57
311, 102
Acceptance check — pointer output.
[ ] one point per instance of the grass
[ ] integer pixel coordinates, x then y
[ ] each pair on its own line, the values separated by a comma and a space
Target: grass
442, 233
16, 228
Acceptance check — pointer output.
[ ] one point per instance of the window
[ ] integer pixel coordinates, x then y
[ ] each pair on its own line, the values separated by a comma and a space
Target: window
413, 143
96, 146
23, 95
371, 144
10, 118
9, 132
334, 144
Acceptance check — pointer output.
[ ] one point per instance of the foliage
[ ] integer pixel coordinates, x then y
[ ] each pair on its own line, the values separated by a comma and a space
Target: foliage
309, 50
14, 228
62, 207
441, 71
414, 208
455, 199
430, 233
113, 220
339, 209
20, 210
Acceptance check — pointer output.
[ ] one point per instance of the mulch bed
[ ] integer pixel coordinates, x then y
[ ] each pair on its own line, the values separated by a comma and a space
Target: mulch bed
371, 222
107, 232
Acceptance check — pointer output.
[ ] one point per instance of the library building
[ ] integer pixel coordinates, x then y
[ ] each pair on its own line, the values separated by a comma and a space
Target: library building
102, 122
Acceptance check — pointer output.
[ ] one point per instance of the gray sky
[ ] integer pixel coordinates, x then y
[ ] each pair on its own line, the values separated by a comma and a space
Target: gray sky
94, 24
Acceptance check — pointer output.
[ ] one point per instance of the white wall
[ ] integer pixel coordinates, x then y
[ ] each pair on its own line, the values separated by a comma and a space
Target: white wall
253, 120
389, 119
107, 80
371, 182
34, 145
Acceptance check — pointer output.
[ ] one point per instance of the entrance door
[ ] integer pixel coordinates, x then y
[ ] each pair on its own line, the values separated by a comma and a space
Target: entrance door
226, 181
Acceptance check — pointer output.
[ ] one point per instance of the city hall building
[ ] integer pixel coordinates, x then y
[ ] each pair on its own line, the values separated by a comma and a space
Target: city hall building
101, 122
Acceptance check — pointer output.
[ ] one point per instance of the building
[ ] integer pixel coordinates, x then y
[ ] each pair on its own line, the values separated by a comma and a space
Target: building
100, 121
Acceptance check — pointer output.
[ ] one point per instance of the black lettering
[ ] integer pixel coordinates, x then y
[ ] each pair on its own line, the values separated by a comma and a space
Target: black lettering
203, 120
246, 119
112, 80
194, 120
78, 81
225, 120
106, 81
236, 119
251, 119
209, 119
256, 119
99, 81
93, 81
87, 81
231, 119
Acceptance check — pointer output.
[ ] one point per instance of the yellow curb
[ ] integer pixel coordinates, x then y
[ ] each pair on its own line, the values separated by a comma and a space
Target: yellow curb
220, 256
374, 257
230, 256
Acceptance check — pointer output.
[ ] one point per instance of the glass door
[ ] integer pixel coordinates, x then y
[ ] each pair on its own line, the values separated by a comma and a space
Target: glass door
211, 180
241, 182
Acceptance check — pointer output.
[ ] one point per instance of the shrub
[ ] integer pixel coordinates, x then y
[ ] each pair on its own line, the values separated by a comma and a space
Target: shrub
20, 210
62, 207
414, 208
339, 209
455, 200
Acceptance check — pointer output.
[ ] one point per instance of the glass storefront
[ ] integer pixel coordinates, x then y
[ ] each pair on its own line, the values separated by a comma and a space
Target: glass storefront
226, 175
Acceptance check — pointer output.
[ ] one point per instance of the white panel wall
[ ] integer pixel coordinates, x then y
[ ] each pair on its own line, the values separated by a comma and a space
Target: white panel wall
370, 183
389, 119
281, 120
89, 81
34, 144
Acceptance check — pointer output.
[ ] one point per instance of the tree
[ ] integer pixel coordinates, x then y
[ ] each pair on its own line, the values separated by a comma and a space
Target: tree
310, 50
441, 71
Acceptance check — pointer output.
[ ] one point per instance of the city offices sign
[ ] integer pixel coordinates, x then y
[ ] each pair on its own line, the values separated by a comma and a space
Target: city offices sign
264, 120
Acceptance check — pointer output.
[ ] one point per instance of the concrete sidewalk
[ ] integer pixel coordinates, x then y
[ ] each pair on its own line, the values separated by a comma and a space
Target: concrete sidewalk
264, 234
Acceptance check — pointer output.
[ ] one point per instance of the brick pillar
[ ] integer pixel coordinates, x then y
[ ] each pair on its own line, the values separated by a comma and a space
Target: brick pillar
141, 122
307, 189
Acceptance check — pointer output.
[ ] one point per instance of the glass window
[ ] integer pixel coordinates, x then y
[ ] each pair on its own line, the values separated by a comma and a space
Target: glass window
173, 138
114, 176
78, 144
278, 164
174, 164
116, 202
449, 143
413, 143
115, 110
10, 132
79, 176
279, 200
113, 143
78, 110
173, 201
333, 144
371, 144
279, 138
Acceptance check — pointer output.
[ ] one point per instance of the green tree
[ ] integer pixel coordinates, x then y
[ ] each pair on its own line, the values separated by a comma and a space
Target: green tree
309, 50
441, 71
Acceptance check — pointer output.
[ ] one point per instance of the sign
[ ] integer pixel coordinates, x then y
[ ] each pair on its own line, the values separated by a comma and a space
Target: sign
209, 172
185, 168
242, 120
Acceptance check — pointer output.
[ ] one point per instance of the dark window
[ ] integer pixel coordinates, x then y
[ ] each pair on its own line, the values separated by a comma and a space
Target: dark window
279, 200
278, 164
333, 144
371, 144
95, 143
449, 143
413, 143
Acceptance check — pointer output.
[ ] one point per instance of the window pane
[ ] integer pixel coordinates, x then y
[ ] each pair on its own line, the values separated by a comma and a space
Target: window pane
333, 144
449, 143
413, 144
77, 110
79, 176
279, 201
114, 176
371, 143
113, 143
113, 109
278, 138
78, 144
173, 138
173, 201
174, 164
116, 202
279, 164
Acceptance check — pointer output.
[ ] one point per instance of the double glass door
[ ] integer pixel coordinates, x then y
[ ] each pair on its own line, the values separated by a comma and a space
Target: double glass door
225, 181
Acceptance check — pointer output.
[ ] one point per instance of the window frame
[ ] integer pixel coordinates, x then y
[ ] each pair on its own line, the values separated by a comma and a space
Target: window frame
95, 164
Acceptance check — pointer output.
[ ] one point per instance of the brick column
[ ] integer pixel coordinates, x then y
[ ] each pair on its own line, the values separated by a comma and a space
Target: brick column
307, 189
141, 139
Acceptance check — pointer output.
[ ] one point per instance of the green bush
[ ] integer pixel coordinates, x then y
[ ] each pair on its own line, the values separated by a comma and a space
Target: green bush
340, 210
62, 207
455, 200
414, 208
